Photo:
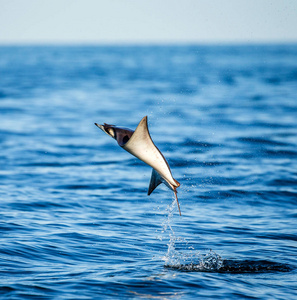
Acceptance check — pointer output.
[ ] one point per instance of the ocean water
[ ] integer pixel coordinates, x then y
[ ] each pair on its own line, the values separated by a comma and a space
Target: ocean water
75, 218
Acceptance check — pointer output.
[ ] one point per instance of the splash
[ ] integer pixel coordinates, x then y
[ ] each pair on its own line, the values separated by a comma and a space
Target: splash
181, 254
188, 259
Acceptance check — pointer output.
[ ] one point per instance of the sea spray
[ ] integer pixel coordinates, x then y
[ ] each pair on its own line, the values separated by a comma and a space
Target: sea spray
180, 254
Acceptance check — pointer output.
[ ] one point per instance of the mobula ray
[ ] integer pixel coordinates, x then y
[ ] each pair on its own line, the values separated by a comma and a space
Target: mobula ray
139, 143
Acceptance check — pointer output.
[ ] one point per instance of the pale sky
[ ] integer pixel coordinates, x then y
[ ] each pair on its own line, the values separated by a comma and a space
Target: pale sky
147, 21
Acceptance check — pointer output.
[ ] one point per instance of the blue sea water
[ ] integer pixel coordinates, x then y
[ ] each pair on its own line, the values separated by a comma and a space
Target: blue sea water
75, 218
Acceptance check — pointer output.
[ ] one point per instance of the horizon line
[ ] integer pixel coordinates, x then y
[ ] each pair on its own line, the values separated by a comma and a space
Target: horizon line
148, 43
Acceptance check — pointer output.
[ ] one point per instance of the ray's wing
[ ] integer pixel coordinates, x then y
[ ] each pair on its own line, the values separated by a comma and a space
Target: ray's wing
156, 179
142, 146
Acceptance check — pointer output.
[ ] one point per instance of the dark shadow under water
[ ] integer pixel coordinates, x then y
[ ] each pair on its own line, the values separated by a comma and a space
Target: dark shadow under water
237, 266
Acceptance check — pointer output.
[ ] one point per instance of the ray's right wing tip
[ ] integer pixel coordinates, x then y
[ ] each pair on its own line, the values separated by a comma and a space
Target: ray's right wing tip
177, 183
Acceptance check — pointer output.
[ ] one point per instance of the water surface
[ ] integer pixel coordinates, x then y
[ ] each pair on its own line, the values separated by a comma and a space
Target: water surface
75, 218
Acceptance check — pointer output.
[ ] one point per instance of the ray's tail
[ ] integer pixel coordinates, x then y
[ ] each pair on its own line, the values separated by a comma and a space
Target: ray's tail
175, 194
